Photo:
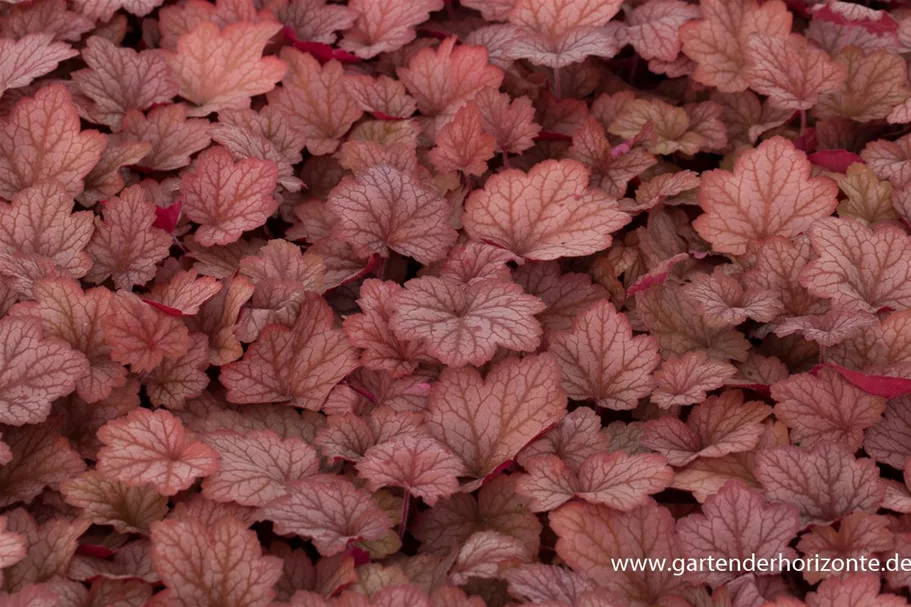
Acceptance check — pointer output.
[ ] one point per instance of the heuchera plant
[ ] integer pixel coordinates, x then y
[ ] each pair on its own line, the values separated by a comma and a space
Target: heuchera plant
426, 303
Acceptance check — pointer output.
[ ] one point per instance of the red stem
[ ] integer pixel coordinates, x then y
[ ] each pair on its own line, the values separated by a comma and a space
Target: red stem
406, 503
803, 122
557, 93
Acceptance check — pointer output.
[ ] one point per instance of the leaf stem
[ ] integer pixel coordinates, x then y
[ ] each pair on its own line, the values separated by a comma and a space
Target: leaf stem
557, 92
406, 506
803, 122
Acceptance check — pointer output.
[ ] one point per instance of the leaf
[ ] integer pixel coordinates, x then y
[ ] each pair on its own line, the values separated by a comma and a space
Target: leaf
140, 335
40, 140
722, 300
737, 523
676, 129
573, 440
721, 425
859, 534
385, 25
566, 295
869, 199
444, 79
349, 436
779, 262
152, 448
537, 583
380, 95
125, 245
790, 71
825, 407
589, 537
482, 555
129, 509
563, 32
106, 179
218, 317
510, 121
34, 370
611, 169
172, 136
255, 467
313, 20
51, 546
120, 79
876, 82
316, 101
487, 421
421, 466
227, 198
41, 458
462, 145
856, 590
297, 365
718, 42
653, 28
616, 480
74, 316
771, 182
857, 267
30, 57
828, 330
216, 565
549, 212
177, 379
220, 69
382, 209
185, 292
40, 224
679, 328
464, 324
330, 511
601, 359
887, 441
13, 547
825, 481
685, 380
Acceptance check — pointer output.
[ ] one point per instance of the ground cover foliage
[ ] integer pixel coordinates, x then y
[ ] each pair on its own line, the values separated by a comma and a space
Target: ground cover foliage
451, 304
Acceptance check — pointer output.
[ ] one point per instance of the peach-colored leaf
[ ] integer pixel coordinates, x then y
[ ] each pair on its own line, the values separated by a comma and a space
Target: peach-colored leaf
685, 380
886, 442
561, 32
381, 95
330, 511
859, 534
51, 546
482, 554
566, 295
120, 79
462, 145
40, 140
723, 301
297, 365
172, 136
75, 316
547, 213
770, 193
616, 480
140, 335
218, 317
510, 121
718, 42
590, 536
125, 245
464, 324
869, 199
316, 101
185, 292
876, 82
219, 69
611, 168
129, 509
382, 208
13, 546
721, 425
313, 20
421, 465
29, 57
39, 224
737, 523
791, 71
826, 407
825, 481
255, 467
106, 179
179, 378
653, 28
856, 590
34, 370
857, 267
670, 129
444, 79
385, 25
41, 458
217, 565
828, 330
147, 447
573, 440
601, 359
228, 198
487, 421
